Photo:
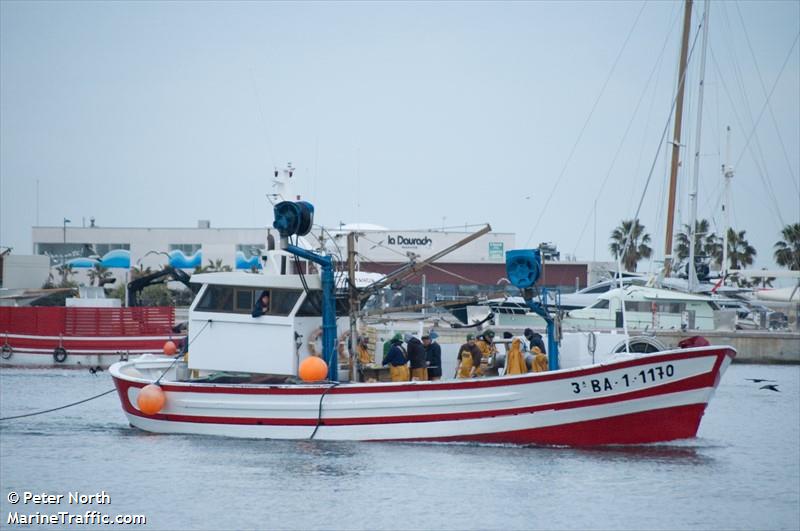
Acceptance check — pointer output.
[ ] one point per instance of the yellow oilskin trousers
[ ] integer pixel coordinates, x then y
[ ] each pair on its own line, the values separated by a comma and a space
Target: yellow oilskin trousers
465, 368
419, 374
399, 373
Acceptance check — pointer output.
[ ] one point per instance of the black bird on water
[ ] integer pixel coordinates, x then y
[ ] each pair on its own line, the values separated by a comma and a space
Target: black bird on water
95, 370
771, 387
759, 380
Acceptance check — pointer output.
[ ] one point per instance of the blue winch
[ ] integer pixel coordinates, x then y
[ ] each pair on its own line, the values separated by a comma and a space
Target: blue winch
297, 218
523, 267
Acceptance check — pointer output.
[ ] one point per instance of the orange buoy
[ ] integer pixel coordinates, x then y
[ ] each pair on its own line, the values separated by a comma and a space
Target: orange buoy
313, 369
151, 399
170, 349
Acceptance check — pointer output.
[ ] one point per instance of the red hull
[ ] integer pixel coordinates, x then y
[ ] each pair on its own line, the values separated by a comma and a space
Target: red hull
637, 428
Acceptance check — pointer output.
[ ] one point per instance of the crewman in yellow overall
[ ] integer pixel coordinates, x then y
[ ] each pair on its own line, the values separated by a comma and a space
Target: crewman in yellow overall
488, 350
469, 359
515, 361
539, 363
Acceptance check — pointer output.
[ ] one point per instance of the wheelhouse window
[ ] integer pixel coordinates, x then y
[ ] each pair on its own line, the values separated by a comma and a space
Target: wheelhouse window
216, 299
241, 299
312, 306
601, 304
282, 301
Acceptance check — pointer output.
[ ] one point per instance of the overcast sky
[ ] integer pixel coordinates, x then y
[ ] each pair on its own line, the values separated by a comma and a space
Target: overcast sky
409, 115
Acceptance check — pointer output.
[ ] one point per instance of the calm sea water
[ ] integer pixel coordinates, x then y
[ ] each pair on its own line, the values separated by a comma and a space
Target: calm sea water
742, 472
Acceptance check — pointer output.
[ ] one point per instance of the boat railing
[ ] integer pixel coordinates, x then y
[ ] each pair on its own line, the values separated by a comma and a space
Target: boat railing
69, 321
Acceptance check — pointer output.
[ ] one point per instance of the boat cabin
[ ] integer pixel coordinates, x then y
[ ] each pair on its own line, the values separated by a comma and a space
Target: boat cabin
224, 335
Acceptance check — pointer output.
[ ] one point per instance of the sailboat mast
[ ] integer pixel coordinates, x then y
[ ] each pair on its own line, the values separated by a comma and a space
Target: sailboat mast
676, 137
696, 173
726, 207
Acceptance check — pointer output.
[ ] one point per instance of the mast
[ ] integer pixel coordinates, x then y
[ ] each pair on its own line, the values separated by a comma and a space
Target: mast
727, 171
355, 303
696, 173
676, 142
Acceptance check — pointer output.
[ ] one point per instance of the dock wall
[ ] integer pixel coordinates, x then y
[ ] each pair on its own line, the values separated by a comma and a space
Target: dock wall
752, 346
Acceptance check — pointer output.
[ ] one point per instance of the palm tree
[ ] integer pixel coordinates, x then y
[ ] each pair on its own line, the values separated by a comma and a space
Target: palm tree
100, 274
65, 271
706, 243
140, 271
740, 254
213, 266
630, 242
787, 251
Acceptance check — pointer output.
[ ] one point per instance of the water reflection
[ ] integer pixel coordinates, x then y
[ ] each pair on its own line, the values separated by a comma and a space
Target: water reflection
658, 453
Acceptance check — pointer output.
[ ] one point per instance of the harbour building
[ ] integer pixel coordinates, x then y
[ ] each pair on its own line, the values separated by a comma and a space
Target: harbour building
474, 269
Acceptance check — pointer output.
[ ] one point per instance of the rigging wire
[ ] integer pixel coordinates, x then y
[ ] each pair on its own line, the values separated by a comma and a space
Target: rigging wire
766, 101
456, 275
625, 135
738, 119
183, 351
315, 304
757, 152
557, 181
380, 244
263, 116
764, 90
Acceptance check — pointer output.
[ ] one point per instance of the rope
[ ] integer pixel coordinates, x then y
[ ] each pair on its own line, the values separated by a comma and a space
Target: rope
60, 407
181, 354
106, 392
319, 411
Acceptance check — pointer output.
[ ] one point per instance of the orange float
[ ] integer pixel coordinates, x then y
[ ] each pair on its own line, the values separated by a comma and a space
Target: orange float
151, 399
170, 348
313, 369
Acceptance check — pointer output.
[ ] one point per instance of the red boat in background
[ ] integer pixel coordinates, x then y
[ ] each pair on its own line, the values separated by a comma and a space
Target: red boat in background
74, 336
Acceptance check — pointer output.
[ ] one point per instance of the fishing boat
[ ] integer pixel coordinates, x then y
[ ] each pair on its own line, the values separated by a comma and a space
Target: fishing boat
244, 374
